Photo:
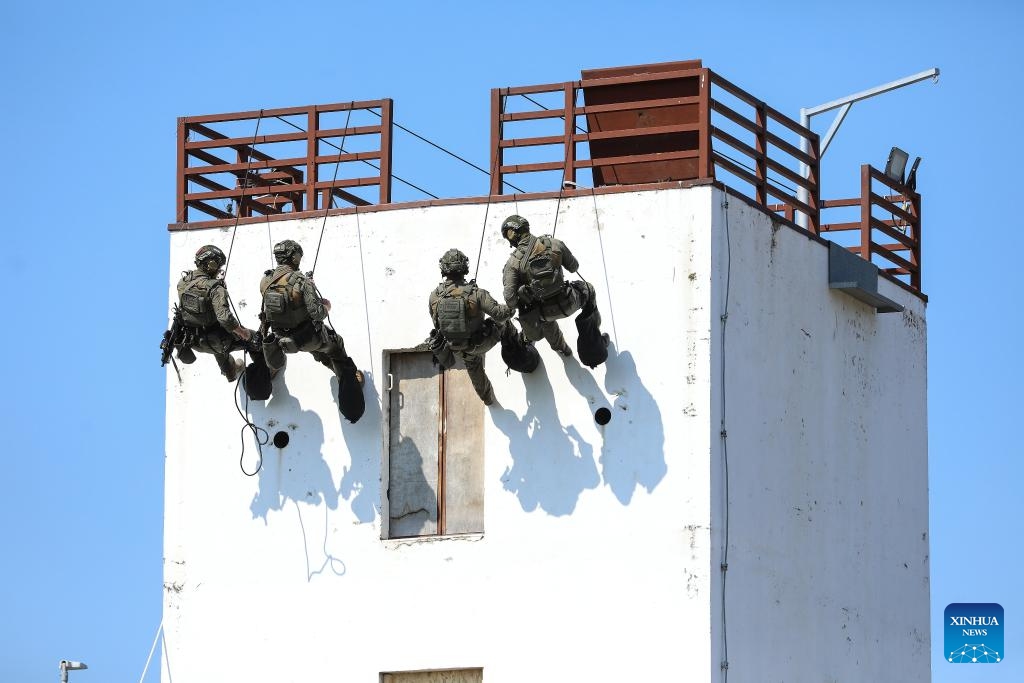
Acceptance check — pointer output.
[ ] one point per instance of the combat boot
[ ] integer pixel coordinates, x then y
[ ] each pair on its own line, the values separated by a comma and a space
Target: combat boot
565, 350
237, 366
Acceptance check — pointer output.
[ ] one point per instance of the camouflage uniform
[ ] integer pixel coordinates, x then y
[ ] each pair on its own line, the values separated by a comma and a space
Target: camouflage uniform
539, 318
484, 333
212, 329
308, 333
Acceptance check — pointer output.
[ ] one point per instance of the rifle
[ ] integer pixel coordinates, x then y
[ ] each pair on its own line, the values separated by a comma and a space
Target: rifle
175, 335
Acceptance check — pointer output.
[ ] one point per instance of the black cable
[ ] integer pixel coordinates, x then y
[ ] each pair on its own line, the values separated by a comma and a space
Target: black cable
725, 443
261, 441
778, 184
365, 161
327, 206
575, 125
446, 151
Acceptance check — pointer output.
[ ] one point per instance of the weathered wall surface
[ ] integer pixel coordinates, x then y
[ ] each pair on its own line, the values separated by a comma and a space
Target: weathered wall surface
595, 560
600, 555
825, 412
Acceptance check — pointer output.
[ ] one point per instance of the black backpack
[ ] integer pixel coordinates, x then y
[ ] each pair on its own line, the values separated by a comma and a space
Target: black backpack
543, 269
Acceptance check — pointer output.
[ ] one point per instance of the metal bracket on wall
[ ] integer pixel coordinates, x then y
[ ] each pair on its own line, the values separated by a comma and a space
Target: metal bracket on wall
858, 278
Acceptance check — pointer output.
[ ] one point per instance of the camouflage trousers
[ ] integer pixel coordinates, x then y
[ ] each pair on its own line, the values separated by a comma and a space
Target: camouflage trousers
216, 341
326, 346
473, 356
541, 320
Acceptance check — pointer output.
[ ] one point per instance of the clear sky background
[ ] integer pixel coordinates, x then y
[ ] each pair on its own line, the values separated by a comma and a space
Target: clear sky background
91, 92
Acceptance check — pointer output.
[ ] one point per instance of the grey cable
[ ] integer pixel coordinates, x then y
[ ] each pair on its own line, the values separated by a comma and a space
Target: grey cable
245, 186
487, 209
396, 124
327, 205
725, 442
365, 161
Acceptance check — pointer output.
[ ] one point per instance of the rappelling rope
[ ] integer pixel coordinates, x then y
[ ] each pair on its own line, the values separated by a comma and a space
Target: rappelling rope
494, 169
328, 204
260, 439
245, 186
366, 303
260, 442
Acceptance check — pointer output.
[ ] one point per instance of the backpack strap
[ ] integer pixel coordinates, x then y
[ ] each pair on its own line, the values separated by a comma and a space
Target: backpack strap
528, 253
192, 284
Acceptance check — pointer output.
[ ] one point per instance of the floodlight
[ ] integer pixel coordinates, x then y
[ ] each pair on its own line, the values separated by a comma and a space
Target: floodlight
896, 164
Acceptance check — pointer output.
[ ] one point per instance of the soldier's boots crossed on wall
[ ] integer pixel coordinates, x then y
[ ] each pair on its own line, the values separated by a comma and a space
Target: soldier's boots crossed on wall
467, 320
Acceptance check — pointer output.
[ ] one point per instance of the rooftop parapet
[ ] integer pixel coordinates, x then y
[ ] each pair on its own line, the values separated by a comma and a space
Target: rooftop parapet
636, 126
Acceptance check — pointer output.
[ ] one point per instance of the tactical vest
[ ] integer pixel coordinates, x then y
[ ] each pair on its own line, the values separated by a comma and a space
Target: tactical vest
542, 267
197, 304
458, 314
283, 304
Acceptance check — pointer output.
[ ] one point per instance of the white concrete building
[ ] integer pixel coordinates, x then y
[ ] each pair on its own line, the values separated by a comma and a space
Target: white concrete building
583, 552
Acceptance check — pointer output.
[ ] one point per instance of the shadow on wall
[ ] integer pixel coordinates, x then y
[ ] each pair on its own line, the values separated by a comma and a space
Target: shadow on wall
360, 481
633, 452
298, 471
413, 499
551, 464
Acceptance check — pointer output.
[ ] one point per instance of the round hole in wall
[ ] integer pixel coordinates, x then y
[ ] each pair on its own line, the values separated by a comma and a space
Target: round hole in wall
281, 439
602, 416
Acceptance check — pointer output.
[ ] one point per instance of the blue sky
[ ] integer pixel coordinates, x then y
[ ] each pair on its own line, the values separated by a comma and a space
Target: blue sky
91, 92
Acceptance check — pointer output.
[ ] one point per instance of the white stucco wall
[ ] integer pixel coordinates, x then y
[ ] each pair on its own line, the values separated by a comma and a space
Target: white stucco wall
594, 563
825, 413
601, 551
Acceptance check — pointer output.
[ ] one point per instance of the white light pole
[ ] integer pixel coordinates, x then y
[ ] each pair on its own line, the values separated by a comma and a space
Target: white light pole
843, 104
67, 665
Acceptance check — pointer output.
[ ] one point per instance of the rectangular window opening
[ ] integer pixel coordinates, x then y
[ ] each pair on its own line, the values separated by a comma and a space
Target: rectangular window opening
447, 676
433, 449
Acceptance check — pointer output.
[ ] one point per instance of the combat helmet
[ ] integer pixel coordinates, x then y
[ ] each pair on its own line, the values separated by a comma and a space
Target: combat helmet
286, 250
514, 227
208, 252
454, 263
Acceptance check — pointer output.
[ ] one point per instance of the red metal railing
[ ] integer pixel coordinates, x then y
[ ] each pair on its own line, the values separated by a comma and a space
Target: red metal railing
898, 255
689, 147
257, 181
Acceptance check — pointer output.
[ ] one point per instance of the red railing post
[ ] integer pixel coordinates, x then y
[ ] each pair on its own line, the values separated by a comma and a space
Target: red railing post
496, 155
569, 170
705, 160
181, 210
865, 212
814, 191
915, 277
761, 162
312, 170
386, 120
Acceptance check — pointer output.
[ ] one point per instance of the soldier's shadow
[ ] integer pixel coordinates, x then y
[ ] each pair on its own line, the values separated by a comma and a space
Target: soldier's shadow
360, 481
633, 452
551, 464
298, 470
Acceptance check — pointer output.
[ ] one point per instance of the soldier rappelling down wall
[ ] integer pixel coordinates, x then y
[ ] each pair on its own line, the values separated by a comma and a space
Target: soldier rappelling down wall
295, 313
458, 310
533, 282
206, 322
